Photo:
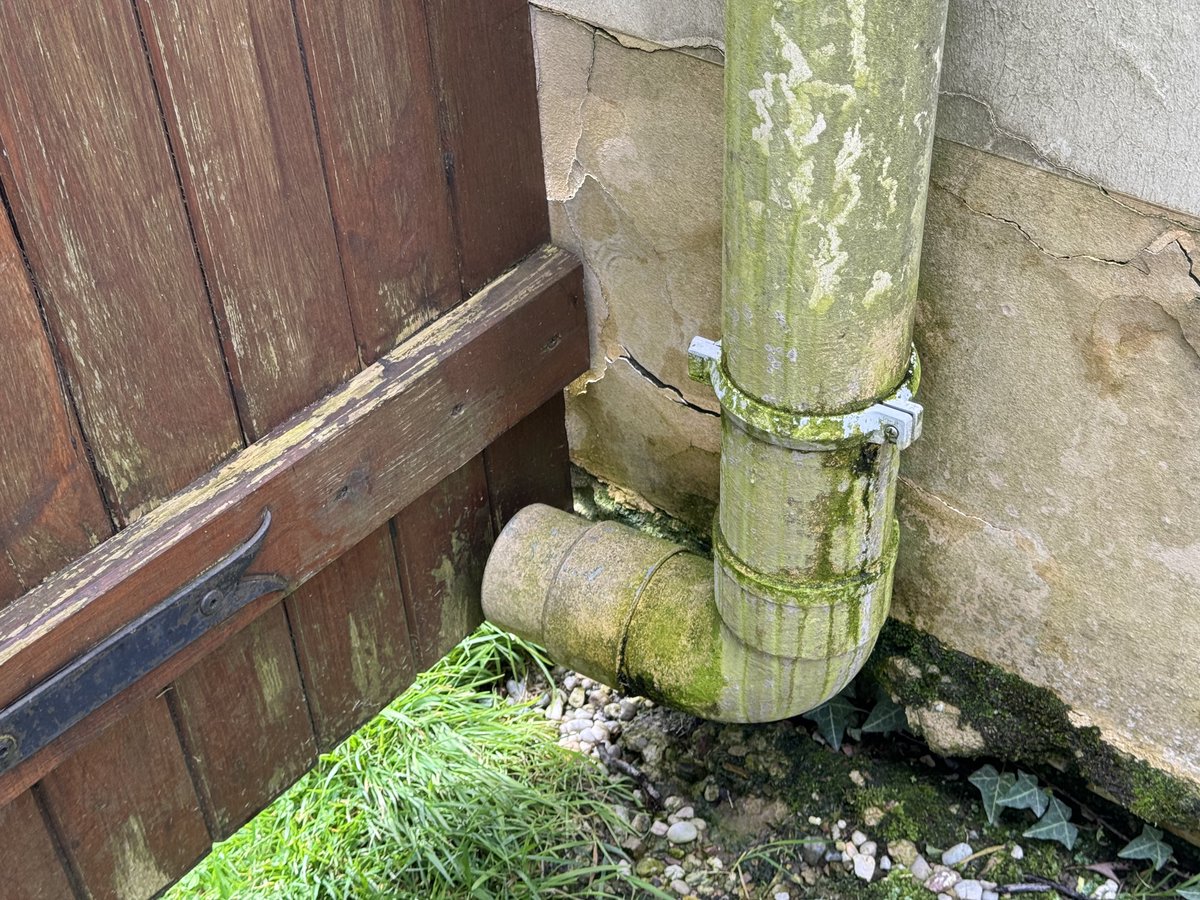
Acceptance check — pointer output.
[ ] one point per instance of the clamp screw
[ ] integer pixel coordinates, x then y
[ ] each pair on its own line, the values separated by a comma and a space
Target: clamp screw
891, 432
8, 746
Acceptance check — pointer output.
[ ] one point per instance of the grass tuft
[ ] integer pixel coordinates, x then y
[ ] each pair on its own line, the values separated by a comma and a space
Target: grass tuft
449, 792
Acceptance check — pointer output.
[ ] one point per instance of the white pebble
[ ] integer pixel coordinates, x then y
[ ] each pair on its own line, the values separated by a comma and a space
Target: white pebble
680, 887
673, 871
659, 829
969, 889
1017, 852
859, 838
682, 833
864, 866
956, 854
920, 869
868, 848
885, 863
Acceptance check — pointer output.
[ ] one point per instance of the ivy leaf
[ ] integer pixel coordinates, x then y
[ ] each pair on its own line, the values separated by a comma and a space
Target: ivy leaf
1148, 845
1189, 893
1053, 826
832, 718
887, 716
992, 786
1025, 794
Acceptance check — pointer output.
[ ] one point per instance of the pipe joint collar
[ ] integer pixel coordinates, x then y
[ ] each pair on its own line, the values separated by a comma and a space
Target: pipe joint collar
803, 618
896, 419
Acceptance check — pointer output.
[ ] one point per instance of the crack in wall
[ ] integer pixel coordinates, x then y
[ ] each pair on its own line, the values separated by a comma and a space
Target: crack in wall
1021, 230
664, 386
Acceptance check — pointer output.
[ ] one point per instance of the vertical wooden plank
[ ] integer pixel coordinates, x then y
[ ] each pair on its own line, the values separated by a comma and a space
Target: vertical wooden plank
372, 87
244, 721
96, 200
237, 107
352, 638
50, 506
95, 196
530, 463
443, 541
30, 866
129, 836
483, 60
238, 111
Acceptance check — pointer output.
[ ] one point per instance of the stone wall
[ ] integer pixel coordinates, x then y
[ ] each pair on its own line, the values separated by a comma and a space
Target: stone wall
1051, 512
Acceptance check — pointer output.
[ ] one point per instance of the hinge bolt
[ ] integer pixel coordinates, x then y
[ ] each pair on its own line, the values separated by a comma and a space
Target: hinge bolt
211, 602
8, 746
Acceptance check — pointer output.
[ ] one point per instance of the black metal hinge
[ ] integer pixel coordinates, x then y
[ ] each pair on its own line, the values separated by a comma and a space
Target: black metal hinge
88, 682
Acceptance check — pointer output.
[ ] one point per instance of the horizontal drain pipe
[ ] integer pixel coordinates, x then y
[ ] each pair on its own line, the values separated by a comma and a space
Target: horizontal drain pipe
829, 127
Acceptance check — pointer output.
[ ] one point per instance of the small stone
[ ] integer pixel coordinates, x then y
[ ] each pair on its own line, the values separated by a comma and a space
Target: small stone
715, 863
812, 853
681, 887
858, 837
685, 812
634, 845
585, 746
885, 863
814, 820
569, 682
628, 710
555, 710
942, 879
1107, 891
673, 803
836, 832
841, 823
640, 823
969, 889
738, 750
591, 735
833, 856
612, 710
701, 824
712, 793
576, 726
782, 895
1017, 852
956, 854
867, 848
920, 869
903, 851
864, 866
577, 698
682, 833
673, 871
991, 895
872, 816
857, 777
658, 829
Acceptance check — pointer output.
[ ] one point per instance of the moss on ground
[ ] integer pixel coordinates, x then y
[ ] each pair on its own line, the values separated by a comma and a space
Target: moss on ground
1022, 723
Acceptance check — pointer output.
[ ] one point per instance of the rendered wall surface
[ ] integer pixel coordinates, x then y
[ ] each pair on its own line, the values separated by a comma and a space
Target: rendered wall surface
1050, 511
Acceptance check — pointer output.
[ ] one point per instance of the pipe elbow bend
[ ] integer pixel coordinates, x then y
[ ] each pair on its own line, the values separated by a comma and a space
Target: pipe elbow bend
641, 613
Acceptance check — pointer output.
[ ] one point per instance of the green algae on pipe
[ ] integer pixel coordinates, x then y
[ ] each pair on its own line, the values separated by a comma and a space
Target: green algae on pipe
829, 128
636, 611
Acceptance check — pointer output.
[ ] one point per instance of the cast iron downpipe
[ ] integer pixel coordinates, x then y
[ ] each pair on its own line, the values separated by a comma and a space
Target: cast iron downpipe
829, 126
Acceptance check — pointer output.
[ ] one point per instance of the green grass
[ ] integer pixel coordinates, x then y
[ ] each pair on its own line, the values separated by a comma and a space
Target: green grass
449, 792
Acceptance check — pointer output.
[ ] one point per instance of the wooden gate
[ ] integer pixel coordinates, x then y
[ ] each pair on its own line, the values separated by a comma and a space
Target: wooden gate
280, 257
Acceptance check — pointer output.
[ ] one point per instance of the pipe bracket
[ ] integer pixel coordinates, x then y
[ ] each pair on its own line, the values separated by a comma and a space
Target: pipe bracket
896, 419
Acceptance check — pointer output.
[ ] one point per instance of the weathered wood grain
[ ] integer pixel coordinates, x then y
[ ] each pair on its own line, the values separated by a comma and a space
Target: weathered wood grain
483, 60
352, 638
244, 722
237, 107
50, 506
330, 476
372, 87
530, 463
96, 200
442, 540
128, 836
30, 865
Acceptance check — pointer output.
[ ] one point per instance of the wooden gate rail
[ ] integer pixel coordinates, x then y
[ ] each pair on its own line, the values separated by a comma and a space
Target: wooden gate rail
330, 475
